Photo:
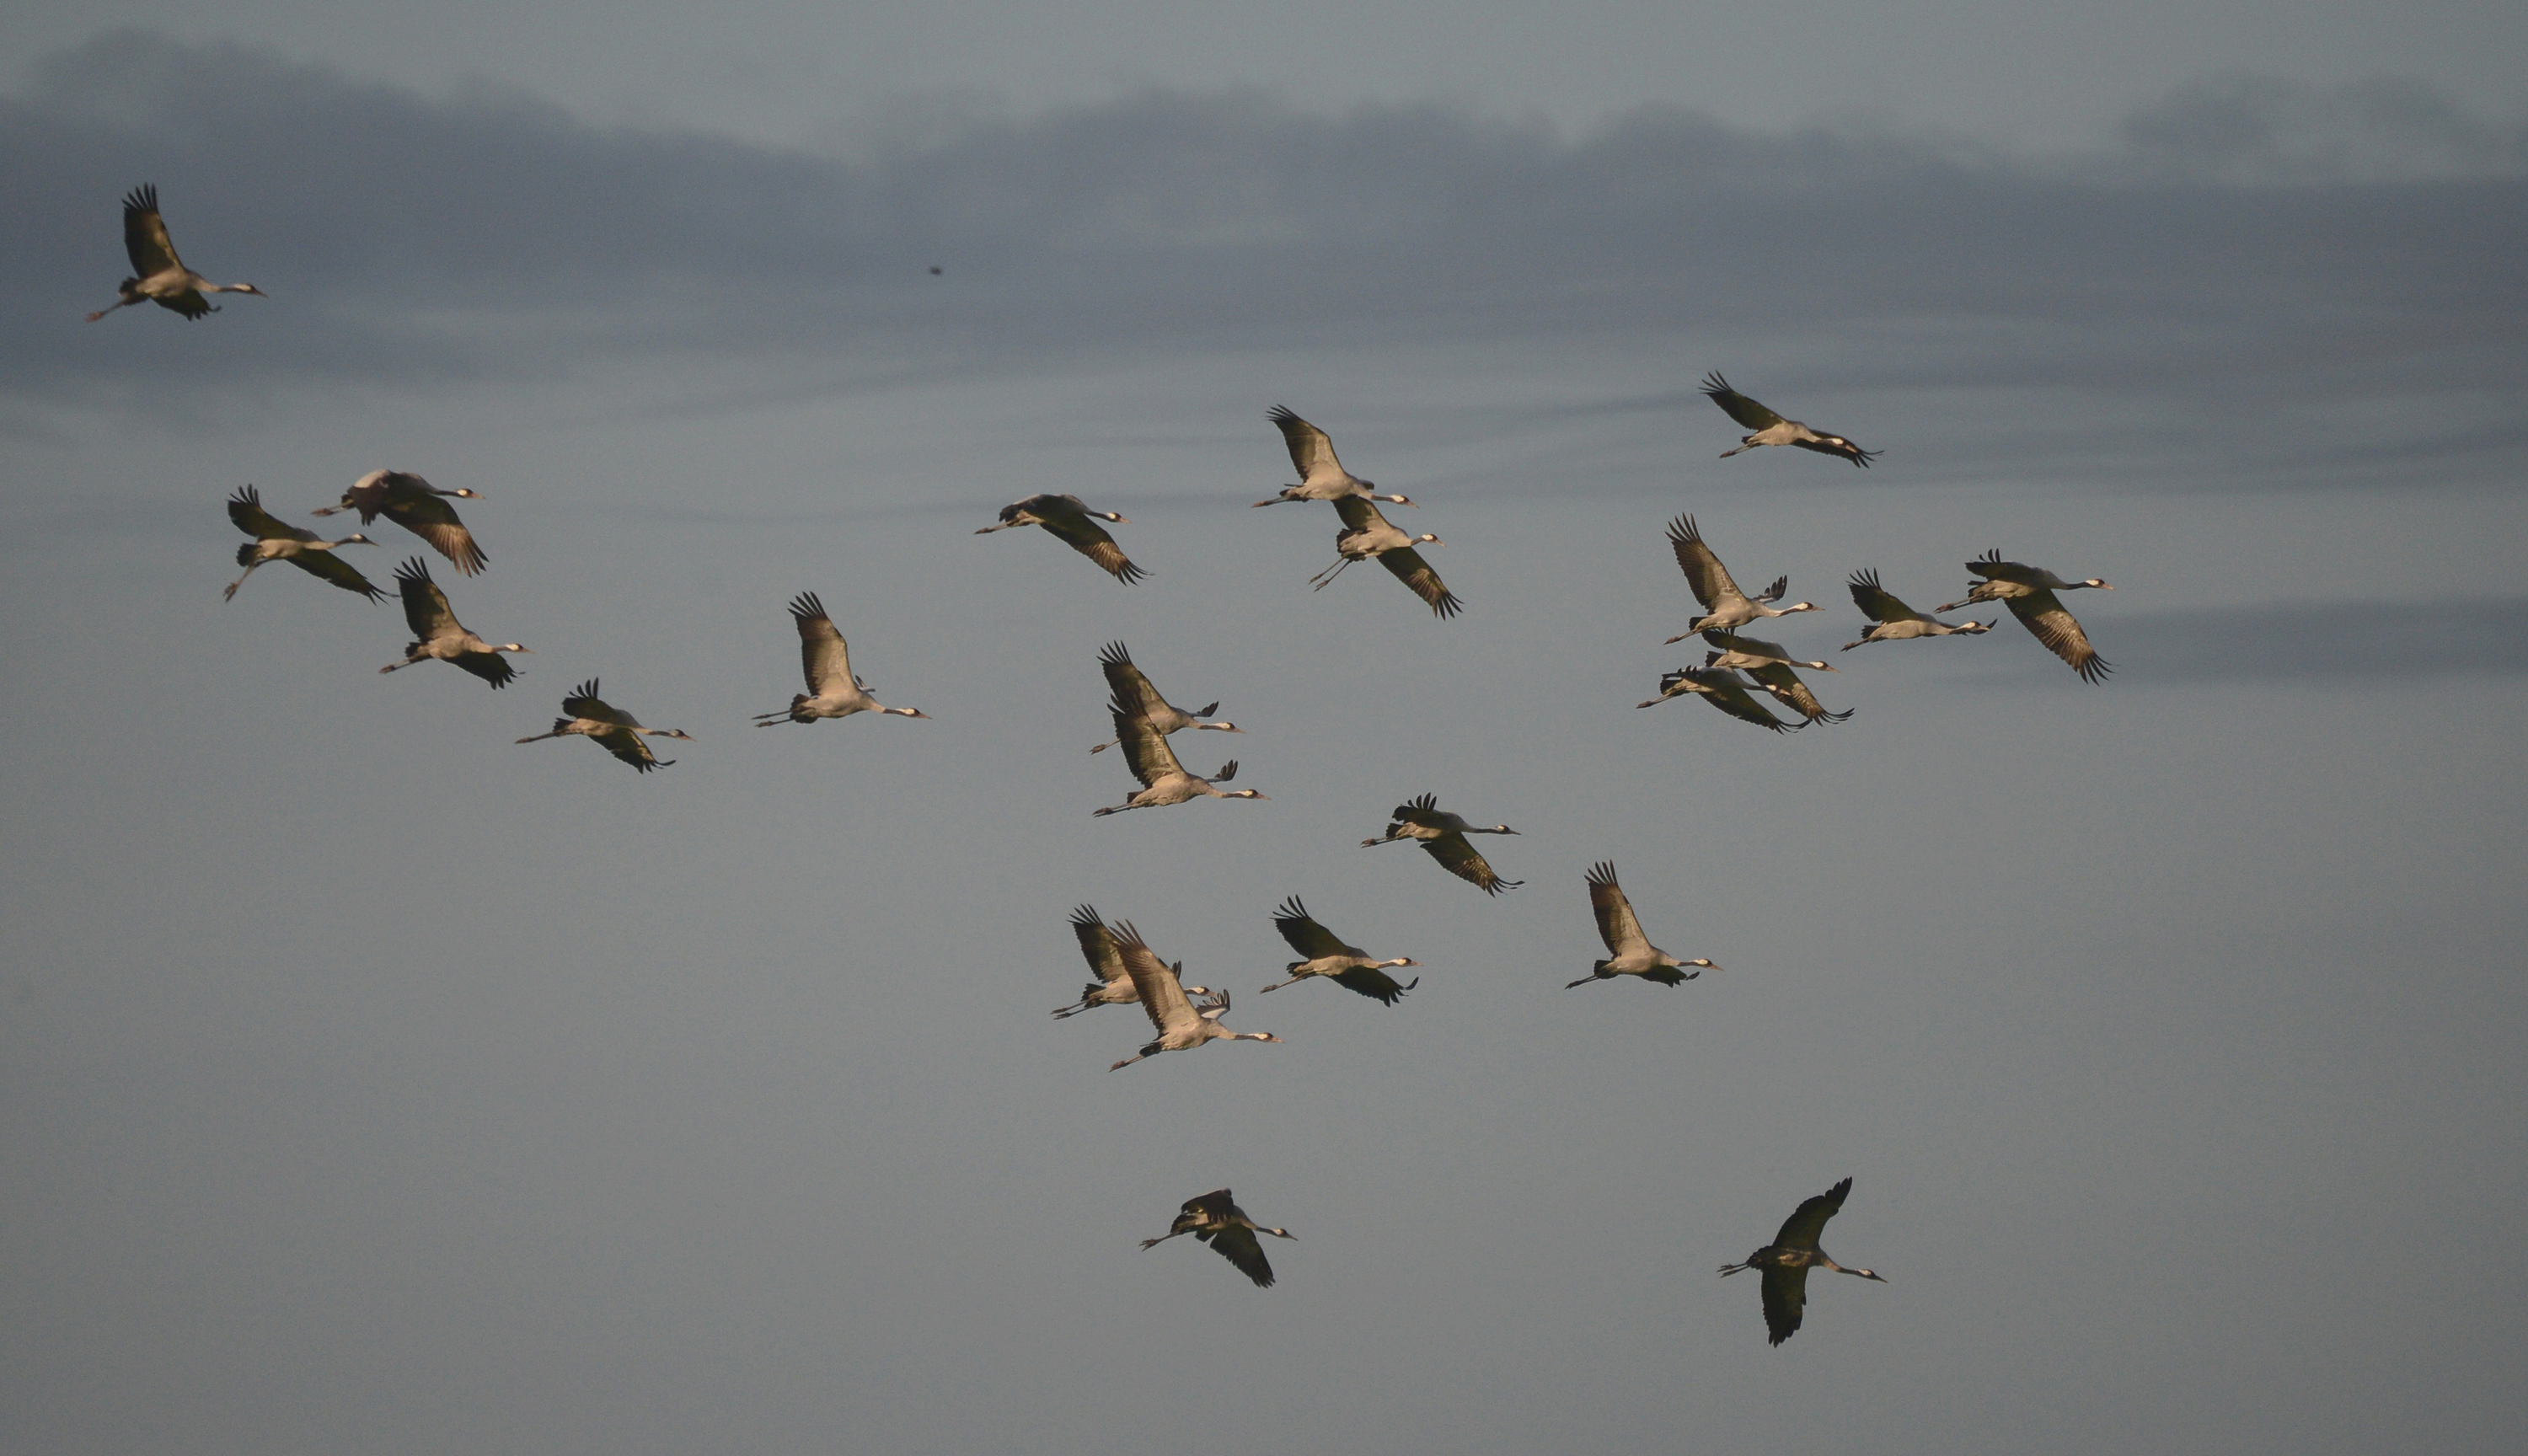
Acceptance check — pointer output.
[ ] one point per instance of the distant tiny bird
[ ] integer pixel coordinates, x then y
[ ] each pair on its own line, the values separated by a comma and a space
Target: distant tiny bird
1327, 955
615, 730
1182, 1024
1787, 1260
1724, 690
1630, 951
414, 503
2029, 592
934, 270
1367, 532
826, 659
1772, 429
1067, 517
159, 276
1892, 620
1215, 1218
1723, 604
438, 634
1114, 984
276, 541
1322, 477
1442, 836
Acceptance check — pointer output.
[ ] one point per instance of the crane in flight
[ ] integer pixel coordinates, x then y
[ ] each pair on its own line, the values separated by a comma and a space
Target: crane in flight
1787, 1261
158, 276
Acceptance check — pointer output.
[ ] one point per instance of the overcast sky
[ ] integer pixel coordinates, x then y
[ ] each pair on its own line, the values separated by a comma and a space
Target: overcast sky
372, 1083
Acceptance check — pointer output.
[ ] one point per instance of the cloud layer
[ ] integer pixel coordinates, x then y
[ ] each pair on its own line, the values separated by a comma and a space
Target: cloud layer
481, 234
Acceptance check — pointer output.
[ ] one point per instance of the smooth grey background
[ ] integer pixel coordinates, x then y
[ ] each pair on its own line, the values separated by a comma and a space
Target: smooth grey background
370, 1083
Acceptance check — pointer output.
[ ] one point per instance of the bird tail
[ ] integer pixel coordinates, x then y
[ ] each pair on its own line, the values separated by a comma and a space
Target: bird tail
245, 554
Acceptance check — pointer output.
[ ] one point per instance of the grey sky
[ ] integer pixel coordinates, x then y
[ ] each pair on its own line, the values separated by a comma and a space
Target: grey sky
2044, 74
371, 1083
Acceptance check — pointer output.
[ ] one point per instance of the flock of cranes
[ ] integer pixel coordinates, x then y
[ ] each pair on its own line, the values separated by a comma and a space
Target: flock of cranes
1736, 668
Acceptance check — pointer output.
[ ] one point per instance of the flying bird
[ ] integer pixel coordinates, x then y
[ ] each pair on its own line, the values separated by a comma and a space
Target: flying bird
1892, 620
1723, 604
1772, 666
1322, 477
1065, 516
1787, 1260
416, 506
1367, 532
1628, 951
834, 691
275, 541
1724, 690
1327, 955
2029, 592
158, 276
1164, 780
615, 730
1772, 429
1129, 685
1182, 1024
1114, 984
1216, 1220
437, 633
1442, 835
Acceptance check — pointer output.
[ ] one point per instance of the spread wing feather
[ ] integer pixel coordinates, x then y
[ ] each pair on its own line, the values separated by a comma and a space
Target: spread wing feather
1617, 926
1416, 573
1312, 452
1163, 998
1738, 406
1704, 576
245, 509
2042, 614
1305, 935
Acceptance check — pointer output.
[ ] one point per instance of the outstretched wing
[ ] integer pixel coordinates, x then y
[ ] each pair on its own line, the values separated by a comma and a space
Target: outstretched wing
1738, 406
1786, 1298
1747, 647
1616, 925
1304, 934
583, 702
2042, 614
1163, 998
425, 606
1709, 580
245, 508
1237, 1244
411, 503
1374, 983
1877, 604
824, 659
1787, 689
1128, 682
1463, 860
1088, 539
1097, 945
327, 566
1991, 566
1312, 453
1416, 573
1803, 1228
1720, 688
632, 749
144, 235
1359, 513
1215, 1206
1145, 748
